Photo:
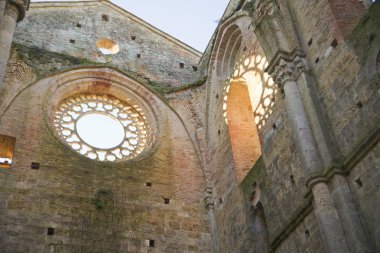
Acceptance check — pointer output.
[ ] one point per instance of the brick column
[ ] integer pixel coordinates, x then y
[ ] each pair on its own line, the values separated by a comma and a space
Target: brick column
14, 12
286, 73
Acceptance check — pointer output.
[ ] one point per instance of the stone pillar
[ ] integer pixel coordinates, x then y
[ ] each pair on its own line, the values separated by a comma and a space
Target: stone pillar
286, 73
14, 12
2, 8
352, 226
328, 219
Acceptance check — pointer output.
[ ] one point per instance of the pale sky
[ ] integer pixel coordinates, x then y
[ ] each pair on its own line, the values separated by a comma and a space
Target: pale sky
191, 21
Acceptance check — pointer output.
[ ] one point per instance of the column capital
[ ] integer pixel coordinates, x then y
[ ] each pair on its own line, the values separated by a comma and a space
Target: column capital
21, 5
287, 67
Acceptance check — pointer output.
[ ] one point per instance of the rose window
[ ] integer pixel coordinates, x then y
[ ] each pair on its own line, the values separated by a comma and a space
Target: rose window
102, 127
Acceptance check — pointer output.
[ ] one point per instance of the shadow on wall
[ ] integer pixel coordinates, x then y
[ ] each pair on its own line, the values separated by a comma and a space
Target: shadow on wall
259, 225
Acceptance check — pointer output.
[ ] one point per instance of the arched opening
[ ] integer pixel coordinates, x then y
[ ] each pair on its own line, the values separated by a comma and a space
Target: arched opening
244, 137
249, 101
227, 51
248, 96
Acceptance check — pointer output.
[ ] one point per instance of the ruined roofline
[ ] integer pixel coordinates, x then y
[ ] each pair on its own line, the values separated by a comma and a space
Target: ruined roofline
57, 4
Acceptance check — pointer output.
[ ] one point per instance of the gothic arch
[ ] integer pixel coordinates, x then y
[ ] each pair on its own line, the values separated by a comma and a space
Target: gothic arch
228, 50
247, 90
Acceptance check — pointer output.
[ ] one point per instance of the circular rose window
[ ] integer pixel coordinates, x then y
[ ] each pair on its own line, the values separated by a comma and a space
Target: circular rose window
102, 127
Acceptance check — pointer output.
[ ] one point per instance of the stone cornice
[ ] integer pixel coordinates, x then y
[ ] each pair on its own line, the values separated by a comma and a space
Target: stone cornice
22, 6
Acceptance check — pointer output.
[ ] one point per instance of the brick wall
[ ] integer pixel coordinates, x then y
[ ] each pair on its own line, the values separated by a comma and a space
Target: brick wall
95, 206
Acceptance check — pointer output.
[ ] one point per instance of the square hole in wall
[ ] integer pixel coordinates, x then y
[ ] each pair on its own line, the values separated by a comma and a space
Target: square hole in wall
166, 201
151, 243
7, 146
133, 37
359, 182
72, 41
149, 184
35, 166
310, 42
195, 68
50, 231
105, 17
334, 43
181, 65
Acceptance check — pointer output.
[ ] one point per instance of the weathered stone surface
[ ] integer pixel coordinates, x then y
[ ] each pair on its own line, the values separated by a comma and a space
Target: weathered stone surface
187, 193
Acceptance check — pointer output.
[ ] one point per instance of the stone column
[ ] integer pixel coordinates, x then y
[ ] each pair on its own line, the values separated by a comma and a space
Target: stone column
328, 219
286, 73
14, 12
352, 226
2, 8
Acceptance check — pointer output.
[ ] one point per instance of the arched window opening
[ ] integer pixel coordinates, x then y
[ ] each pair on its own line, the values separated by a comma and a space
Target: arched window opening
248, 95
249, 102
244, 137
7, 146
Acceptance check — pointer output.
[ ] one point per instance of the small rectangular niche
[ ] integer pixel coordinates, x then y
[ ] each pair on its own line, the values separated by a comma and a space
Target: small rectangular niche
359, 182
181, 65
35, 166
105, 17
133, 37
149, 184
195, 68
150, 243
334, 43
166, 201
50, 231
7, 146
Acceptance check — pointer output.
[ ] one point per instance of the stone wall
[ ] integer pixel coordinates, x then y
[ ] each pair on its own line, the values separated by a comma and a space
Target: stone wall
73, 29
104, 207
342, 61
95, 206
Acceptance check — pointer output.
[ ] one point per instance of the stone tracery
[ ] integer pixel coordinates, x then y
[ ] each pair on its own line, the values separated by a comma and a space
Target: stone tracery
131, 117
